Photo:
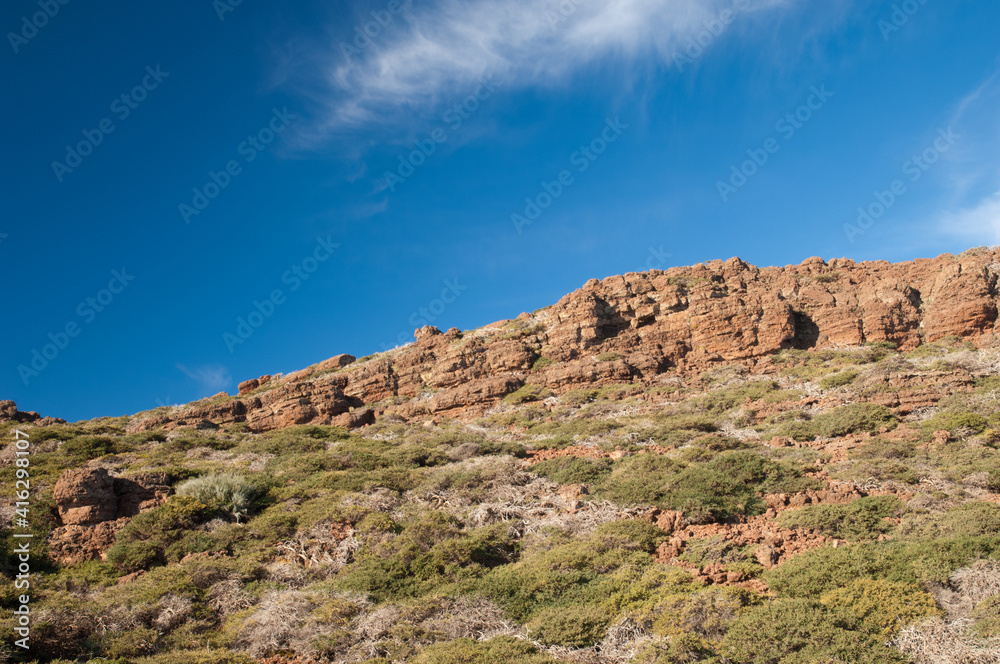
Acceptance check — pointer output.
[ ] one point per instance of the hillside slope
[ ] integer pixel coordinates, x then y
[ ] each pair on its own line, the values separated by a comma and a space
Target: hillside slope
717, 464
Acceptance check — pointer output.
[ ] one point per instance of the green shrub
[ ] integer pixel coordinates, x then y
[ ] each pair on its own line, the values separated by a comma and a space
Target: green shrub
731, 484
143, 542
721, 401
131, 643
707, 613
499, 650
728, 484
822, 570
987, 617
85, 448
640, 479
573, 626
971, 519
432, 553
527, 393
630, 534
542, 362
838, 380
293, 440
841, 421
573, 469
232, 493
608, 357
683, 647
883, 606
858, 520
953, 420
716, 550
801, 631
571, 572
677, 429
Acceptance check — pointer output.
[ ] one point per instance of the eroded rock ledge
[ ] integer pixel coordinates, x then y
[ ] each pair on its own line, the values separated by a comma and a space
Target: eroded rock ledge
630, 328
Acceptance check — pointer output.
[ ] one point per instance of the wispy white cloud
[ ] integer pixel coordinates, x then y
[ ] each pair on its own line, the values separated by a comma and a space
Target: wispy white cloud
213, 377
973, 211
440, 50
979, 225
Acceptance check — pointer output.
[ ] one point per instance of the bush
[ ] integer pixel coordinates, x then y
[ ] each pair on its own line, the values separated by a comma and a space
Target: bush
859, 520
678, 429
707, 613
953, 420
801, 631
730, 485
573, 626
843, 420
499, 650
581, 571
527, 393
728, 398
572, 469
85, 448
641, 479
838, 380
630, 534
225, 491
143, 542
883, 606
542, 362
432, 553
819, 571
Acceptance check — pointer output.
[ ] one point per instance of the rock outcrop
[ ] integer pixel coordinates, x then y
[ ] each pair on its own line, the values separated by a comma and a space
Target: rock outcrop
93, 506
10, 413
631, 328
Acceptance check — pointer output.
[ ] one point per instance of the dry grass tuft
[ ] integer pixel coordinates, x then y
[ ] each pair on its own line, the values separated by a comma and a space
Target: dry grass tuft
935, 641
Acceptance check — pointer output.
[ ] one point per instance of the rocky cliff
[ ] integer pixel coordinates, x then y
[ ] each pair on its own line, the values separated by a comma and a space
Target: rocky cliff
631, 328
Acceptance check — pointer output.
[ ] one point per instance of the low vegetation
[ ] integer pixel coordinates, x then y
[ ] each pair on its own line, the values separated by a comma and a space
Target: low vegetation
529, 534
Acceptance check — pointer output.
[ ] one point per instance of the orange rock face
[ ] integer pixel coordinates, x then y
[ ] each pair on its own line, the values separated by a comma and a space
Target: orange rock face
93, 506
633, 328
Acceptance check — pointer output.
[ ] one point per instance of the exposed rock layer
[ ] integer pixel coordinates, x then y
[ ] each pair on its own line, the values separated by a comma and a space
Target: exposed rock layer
629, 328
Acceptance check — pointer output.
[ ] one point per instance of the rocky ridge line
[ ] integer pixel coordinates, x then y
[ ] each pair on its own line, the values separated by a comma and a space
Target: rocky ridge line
627, 329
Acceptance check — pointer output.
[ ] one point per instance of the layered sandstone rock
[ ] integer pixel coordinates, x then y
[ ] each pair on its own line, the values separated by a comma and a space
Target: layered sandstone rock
633, 328
93, 506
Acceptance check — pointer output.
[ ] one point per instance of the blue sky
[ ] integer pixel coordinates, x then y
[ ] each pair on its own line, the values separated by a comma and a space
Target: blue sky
200, 192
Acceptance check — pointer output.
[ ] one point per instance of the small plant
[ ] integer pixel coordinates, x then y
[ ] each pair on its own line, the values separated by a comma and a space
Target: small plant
579, 626
542, 362
843, 420
225, 491
526, 394
608, 357
885, 607
954, 420
572, 469
862, 519
838, 379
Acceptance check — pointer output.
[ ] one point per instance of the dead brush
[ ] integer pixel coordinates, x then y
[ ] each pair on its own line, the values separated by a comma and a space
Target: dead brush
935, 641
475, 481
978, 581
321, 546
173, 611
579, 523
467, 617
297, 620
624, 640
277, 624
379, 500
228, 597
979, 362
